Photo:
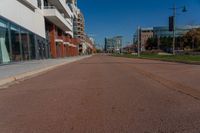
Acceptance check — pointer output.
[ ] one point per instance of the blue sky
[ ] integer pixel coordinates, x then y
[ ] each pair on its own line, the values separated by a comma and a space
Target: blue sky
107, 18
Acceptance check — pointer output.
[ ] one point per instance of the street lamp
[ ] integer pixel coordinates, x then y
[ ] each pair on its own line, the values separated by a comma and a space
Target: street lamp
174, 24
138, 41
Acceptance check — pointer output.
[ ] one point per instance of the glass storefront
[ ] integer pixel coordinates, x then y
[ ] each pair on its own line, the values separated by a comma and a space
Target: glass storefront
15, 42
25, 44
32, 46
4, 43
18, 44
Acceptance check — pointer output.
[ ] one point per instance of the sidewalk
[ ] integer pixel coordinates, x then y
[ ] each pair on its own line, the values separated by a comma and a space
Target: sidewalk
21, 70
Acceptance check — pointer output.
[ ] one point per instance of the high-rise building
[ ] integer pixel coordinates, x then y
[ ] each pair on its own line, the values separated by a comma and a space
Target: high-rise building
79, 28
113, 45
37, 29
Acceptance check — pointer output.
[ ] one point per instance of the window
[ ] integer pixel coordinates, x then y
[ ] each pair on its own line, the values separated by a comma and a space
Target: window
39, 3
4, 43
15, 40
25, 44
32, 46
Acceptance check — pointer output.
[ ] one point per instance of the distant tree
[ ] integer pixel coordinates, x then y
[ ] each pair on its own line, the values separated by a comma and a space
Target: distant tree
151, 43
99, 50
180, 43
192, 39
165, 43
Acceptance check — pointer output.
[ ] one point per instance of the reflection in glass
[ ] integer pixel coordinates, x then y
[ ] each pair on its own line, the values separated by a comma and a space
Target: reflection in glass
4, 43
25, 46
32, 46
15, 40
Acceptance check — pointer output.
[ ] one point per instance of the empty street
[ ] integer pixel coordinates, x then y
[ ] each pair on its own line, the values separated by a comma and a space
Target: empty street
105, 94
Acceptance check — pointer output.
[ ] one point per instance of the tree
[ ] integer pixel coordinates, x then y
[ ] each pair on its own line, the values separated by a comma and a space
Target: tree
165, 44
192, 39
151, 43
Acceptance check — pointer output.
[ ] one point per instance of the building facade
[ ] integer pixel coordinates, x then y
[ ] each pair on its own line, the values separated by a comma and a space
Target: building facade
163, 31
37, 29
159, 32
59, 28
22, 31
113, 45
145, 34
85, 42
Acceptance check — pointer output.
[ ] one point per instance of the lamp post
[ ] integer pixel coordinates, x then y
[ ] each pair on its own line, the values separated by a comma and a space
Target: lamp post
174, 24
138, 42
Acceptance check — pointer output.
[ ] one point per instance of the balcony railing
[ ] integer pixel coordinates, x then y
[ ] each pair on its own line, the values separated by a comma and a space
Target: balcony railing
29, 3
61, 6
52, 13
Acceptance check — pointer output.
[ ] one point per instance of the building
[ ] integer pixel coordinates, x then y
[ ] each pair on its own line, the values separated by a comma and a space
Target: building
163, 31
158, 32
85, 43
22, 31
37, 29
113, 45
145, 34
89, 45
130, 49
59, 28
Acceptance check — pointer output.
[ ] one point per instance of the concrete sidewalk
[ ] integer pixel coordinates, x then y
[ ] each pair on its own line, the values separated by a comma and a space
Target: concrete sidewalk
17, 71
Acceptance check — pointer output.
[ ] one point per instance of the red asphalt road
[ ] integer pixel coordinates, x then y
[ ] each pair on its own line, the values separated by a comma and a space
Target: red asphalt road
104, 94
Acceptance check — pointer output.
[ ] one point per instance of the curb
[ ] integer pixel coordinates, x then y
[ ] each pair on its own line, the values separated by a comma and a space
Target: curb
34, 73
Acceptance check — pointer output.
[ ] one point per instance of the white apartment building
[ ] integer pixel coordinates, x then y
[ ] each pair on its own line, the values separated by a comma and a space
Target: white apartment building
35, 29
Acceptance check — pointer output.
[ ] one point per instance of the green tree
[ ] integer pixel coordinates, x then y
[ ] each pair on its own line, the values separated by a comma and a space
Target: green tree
151, 43
165, 43
192, 39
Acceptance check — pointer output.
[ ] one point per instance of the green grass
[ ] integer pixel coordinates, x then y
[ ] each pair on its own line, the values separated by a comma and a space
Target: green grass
177, 58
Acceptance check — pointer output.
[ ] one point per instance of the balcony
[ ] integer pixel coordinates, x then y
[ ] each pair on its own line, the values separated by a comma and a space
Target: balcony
29, 3
70, 33
54, 16
62, 7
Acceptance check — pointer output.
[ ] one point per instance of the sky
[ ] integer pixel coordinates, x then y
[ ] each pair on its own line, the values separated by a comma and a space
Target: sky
108, 18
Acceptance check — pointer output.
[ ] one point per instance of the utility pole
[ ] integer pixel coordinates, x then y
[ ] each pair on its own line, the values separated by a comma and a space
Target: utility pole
174, 29
138, 42
174, 25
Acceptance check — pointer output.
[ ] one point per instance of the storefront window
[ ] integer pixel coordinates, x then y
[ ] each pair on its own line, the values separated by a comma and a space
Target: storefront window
17, 43
4, 43
15, 40
25, 44
32, 46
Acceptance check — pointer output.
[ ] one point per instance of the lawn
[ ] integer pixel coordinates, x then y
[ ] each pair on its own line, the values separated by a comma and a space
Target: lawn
176, 58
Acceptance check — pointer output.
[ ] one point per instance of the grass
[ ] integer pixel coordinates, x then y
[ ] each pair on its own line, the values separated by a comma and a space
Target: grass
193, 59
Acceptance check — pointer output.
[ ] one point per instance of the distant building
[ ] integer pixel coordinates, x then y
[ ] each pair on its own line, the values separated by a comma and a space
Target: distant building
130, 49
158, 32
85, 45
145, 34
113, 45
163, 31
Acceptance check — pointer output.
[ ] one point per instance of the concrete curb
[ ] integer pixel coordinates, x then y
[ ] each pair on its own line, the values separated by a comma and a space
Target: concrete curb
34, 73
